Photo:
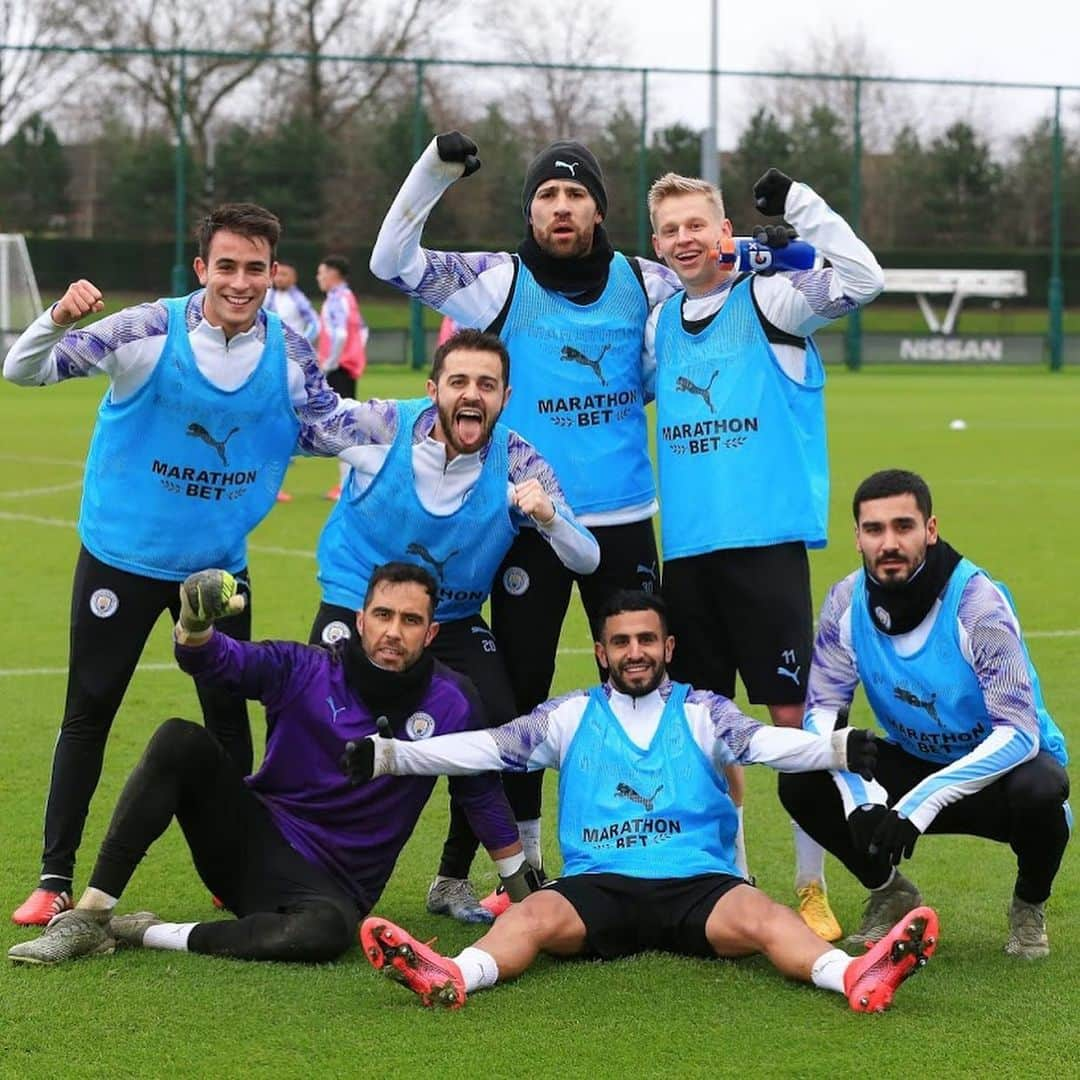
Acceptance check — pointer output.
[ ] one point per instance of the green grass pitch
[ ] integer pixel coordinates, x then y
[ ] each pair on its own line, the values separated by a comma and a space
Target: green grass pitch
1008, 491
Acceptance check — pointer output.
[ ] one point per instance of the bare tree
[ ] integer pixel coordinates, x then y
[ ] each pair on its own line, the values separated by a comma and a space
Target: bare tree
159, 28
31, 80
556, 102
834, 52
332, 92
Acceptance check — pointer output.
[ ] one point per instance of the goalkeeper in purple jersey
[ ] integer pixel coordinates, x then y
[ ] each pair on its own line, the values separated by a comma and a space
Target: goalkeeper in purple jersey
208, 396
970, 748
296, 852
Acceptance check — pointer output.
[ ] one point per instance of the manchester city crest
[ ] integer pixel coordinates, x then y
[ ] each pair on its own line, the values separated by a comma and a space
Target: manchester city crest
104, 602
335, 631
420, 725
515, 581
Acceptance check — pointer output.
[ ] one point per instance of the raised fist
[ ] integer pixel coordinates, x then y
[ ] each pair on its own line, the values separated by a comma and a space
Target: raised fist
458, 148
82, 298
770, 193
206, 596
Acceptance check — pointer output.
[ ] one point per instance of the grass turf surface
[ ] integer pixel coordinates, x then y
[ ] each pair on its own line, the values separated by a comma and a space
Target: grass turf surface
1007, 493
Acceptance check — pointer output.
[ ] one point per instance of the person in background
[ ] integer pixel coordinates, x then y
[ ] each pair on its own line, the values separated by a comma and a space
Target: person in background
342, 341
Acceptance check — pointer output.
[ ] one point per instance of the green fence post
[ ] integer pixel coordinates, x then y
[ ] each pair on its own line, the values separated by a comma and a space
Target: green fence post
1055, 291
416, 309
180, 271
643, 230
853, 342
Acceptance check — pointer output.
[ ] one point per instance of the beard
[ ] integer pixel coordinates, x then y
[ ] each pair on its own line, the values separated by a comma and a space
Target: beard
896, 577
563, 247
454, 437
637, 690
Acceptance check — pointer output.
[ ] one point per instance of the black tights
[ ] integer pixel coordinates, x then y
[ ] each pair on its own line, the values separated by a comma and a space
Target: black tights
288, 908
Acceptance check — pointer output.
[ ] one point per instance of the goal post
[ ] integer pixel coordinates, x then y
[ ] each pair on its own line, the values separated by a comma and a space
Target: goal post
20, 301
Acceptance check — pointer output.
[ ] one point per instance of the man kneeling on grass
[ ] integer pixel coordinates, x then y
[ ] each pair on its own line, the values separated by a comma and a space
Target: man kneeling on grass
647, 830
296, 852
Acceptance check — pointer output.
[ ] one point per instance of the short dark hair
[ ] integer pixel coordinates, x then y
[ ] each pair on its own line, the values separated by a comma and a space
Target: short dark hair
471, 339
338, 263
629, 600
889, 482
244, 219
400, 573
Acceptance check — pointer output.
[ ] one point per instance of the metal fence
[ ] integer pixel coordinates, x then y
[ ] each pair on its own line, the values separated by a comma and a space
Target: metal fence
645, 99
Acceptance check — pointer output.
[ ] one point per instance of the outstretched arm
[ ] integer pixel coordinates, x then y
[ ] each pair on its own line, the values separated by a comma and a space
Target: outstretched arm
535, 741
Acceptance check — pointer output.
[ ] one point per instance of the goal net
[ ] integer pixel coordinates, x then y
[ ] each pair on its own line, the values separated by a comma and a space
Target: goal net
20, 302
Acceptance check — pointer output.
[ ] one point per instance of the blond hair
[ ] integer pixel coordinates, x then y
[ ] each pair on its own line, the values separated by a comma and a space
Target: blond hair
673, 184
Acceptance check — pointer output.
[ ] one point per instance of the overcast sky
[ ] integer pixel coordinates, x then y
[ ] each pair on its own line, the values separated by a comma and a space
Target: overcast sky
1030, 41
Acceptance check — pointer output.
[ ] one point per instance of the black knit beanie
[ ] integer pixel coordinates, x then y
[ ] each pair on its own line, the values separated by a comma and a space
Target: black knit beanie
565, 160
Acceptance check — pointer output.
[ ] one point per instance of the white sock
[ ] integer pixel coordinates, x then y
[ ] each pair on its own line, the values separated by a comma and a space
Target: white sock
740, 845
510, 865
828, 970
168, 935
478, 969
529, 831
96, 900
809, 859
343, 473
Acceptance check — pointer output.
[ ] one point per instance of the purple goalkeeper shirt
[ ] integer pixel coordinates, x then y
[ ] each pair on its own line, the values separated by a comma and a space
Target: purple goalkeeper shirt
355, 833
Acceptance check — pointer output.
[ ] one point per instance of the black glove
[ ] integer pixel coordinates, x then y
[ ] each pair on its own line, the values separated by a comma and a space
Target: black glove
861, 752
863, 822
770, 193
774, 236
894, 838
453, 146
358, 761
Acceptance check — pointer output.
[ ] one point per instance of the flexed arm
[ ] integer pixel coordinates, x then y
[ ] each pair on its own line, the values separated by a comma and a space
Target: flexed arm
470, 287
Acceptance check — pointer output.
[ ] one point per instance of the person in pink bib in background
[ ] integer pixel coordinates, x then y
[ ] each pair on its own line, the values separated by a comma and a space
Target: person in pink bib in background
447, 329
342, 341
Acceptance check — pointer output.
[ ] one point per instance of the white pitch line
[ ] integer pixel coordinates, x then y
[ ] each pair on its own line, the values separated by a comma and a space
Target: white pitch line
30, 493
60, 523
21, 458
300, 553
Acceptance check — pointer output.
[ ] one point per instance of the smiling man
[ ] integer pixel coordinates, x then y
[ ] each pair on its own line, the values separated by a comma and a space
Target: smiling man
208, 396
295, 852
646, 828
446, 485
969, 746
741, 451
572, 312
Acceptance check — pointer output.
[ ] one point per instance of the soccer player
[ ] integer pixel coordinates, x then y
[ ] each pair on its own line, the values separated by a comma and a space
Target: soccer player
572, 312
969, 746
447, 486
208, 397
744, 477
342, 341
646, 828
295, 852
287, 300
